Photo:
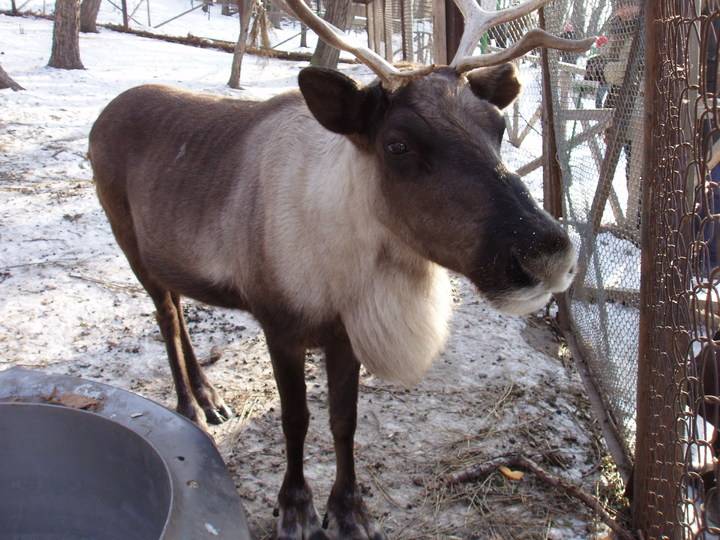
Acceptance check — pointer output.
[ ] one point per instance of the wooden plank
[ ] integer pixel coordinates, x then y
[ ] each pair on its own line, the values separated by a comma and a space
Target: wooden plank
454, 26
370, 16
596, 115
439, 32
388, 30
379, 33
613, 295
526, 130
530, 167
406, 7
552, 173
512, 121
597, 157
575, 141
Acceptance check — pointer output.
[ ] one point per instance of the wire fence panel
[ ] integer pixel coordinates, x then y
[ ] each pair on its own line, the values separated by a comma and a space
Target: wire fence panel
680, 384
523, 119
598, 119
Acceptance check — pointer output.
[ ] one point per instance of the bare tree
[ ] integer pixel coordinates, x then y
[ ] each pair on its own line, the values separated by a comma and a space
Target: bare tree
303, 35
7, 82
245, 8
338, 13
304, 28
66, 36
88, 15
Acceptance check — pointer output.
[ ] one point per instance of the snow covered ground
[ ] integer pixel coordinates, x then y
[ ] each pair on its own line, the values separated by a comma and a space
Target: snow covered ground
191, 19
69, 304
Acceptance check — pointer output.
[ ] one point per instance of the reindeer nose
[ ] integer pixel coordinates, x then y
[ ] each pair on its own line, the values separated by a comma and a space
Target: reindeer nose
547, 254
546, 238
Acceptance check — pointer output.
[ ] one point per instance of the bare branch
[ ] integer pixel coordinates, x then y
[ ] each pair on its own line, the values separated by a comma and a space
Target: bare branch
519, 461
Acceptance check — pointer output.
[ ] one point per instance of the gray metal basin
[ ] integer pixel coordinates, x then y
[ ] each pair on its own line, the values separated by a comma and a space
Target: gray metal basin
130, 470
66, 473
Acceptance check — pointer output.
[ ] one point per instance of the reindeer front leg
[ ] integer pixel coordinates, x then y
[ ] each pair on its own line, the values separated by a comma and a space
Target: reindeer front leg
347, 515
298, 519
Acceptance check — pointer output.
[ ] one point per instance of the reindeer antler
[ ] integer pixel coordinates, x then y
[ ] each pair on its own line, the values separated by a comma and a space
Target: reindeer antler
477, 22
391, 77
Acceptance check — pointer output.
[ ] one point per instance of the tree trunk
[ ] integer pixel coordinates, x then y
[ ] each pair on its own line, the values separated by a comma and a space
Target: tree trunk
7, 82
304, 28
66, 36
13, 7
245, 8
338, 14
88, 15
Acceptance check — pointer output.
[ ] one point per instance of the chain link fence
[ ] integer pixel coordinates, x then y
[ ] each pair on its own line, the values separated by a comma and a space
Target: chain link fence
597, 104
522, 148
678, 409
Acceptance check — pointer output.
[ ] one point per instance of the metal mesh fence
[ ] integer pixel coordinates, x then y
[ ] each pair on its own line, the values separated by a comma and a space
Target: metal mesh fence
523, 138
679, 374
598, 124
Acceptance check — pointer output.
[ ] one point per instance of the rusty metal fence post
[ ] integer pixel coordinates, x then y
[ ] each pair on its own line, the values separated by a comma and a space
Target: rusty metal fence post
678, 390
648, 285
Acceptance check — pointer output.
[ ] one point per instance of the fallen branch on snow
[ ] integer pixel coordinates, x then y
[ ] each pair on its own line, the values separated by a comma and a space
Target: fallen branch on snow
518, 461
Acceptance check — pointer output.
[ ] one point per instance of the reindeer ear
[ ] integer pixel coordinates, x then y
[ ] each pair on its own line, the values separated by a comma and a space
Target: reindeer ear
498, 84
336, 101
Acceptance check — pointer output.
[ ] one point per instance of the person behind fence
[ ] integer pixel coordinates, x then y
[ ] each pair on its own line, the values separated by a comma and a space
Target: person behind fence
595, 69
709, 206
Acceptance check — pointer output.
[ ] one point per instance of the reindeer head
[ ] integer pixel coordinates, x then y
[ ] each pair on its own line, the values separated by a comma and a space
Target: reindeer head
435, 133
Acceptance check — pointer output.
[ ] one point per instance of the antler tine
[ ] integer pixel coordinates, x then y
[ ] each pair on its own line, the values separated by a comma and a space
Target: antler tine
532, 40
478, 21
391, 77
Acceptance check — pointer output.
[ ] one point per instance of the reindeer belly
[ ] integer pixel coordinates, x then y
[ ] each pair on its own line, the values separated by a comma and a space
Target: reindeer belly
188, 282
187, 262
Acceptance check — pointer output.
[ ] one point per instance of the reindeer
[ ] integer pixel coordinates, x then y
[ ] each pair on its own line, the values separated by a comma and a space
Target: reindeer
331, 215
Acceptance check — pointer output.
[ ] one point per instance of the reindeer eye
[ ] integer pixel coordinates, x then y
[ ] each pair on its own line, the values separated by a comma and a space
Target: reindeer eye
397, 148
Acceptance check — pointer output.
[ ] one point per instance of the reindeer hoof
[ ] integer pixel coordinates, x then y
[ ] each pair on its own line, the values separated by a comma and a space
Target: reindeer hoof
192, 411
214, 417
348, 518
297, 518
217, 415
216, 412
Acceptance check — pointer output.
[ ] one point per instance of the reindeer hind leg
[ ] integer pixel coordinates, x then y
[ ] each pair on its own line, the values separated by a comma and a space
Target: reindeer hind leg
216, 411
169, 320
